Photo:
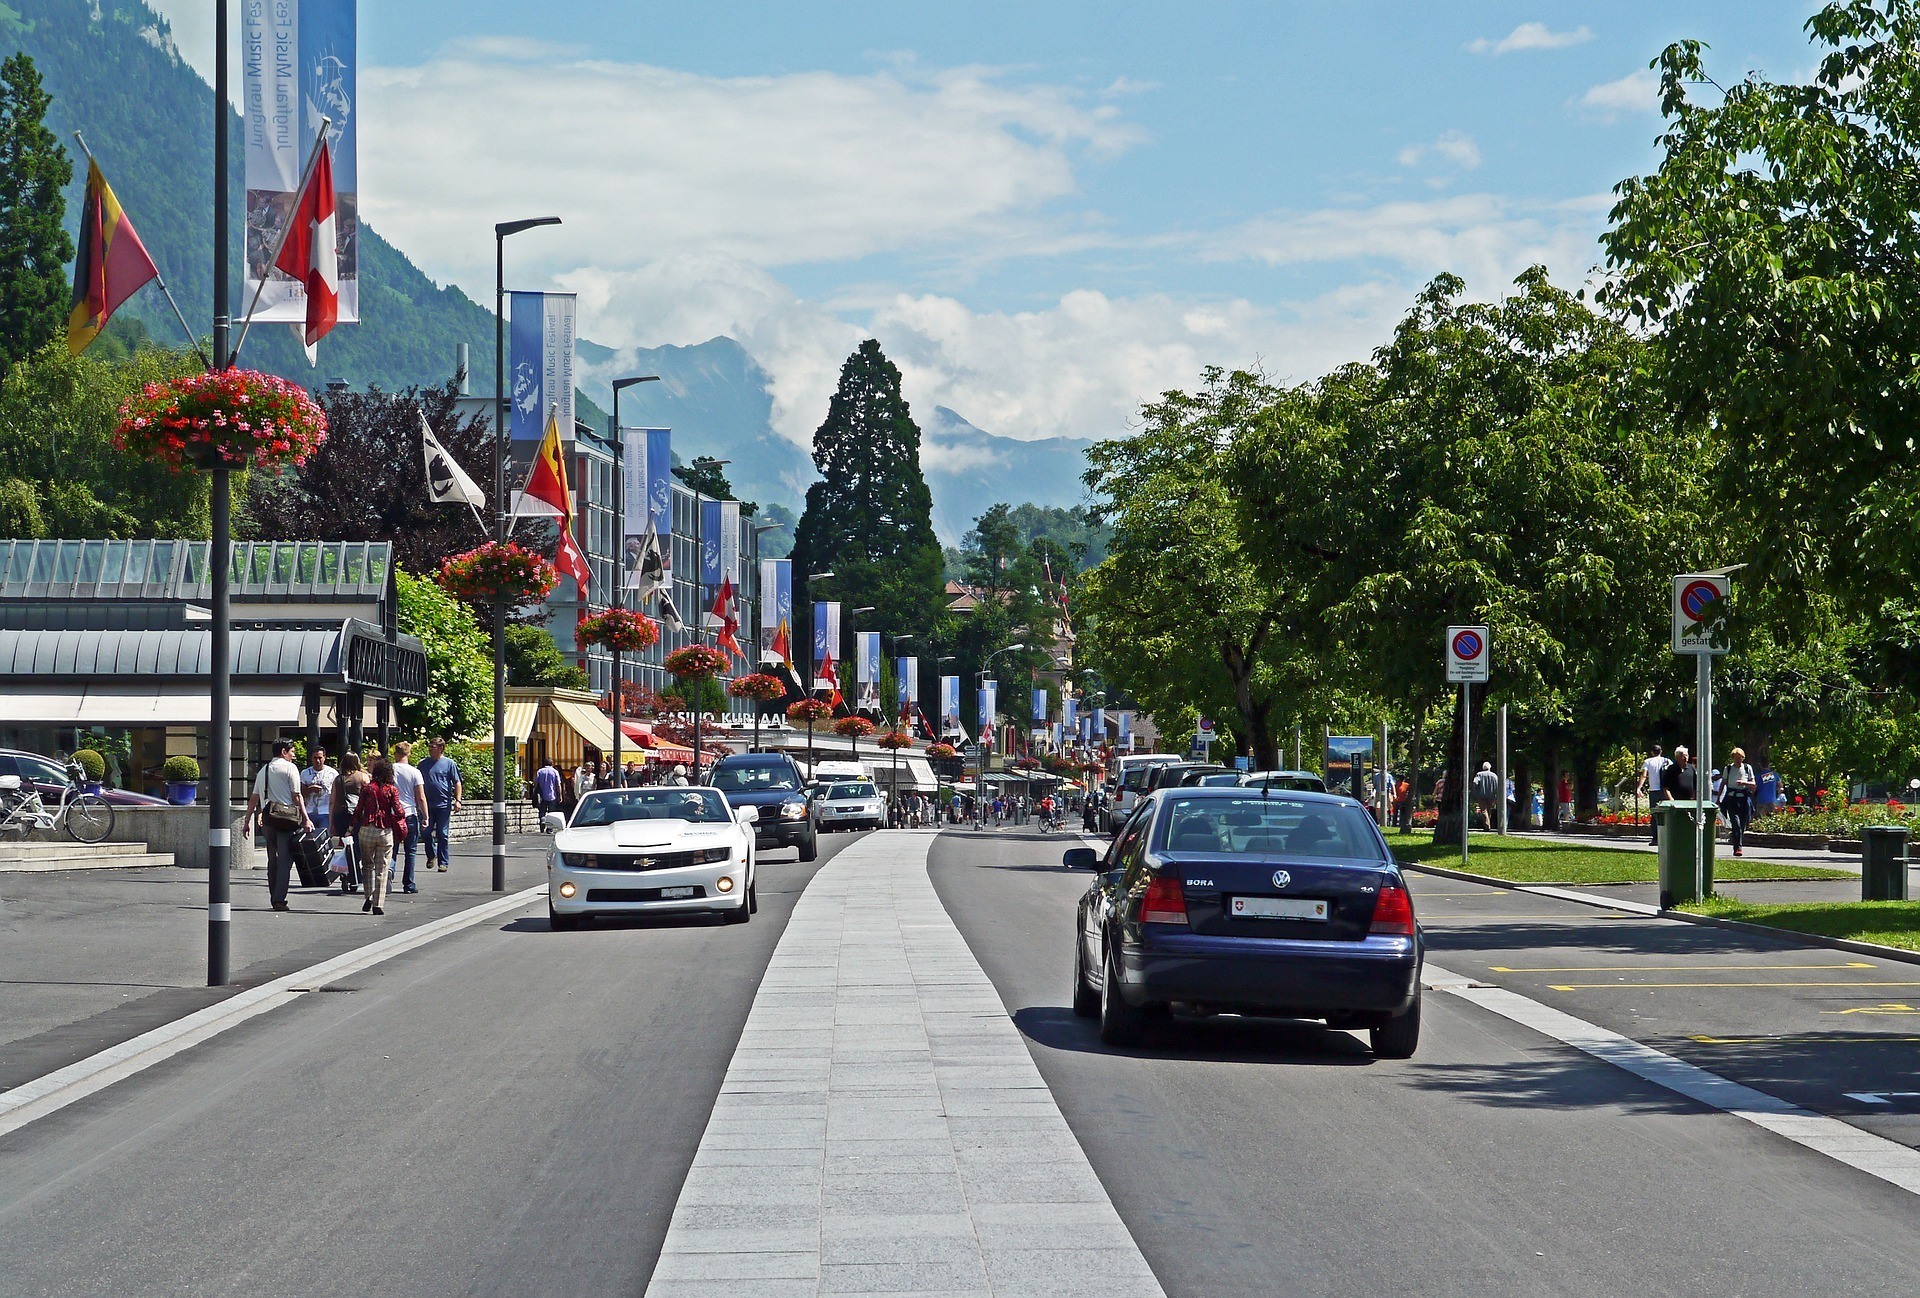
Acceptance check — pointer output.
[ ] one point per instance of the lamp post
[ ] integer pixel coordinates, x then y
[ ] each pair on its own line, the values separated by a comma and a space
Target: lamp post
502, 433
985, 732
220, 714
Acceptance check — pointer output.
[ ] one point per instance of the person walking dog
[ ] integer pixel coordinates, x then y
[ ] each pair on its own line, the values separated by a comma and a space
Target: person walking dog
377, 822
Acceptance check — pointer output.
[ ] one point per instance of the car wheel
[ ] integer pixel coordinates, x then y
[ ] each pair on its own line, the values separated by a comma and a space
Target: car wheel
810, 847
561, 923
1399, 1036
1120, 1023
743, 912
1086, 1000
753, 897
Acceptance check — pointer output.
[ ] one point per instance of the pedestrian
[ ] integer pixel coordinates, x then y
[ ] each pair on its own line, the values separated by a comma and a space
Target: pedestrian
1680, 776
413, 800
1653, 783
378, 821
276, 803
1566, 798
316, 786
444, 794
1486, 788
1741, 787
630, 777
1403, 806
582, 780
347, 791
546, 787
679, 776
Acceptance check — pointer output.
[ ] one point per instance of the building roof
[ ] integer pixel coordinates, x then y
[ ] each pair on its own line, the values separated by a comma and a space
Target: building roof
278, 571
353, 653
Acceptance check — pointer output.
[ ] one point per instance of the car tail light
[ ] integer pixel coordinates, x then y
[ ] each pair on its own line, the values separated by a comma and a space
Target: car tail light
1392, 912
1165, 903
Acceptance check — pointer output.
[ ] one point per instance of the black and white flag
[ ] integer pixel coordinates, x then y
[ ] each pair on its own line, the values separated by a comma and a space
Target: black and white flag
648, 574
446, 480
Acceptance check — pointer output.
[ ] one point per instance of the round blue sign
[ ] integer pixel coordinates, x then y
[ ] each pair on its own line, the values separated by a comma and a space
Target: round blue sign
1467, 645
1697, 599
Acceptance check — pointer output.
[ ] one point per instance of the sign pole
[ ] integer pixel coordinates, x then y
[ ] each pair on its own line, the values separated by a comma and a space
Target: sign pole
1503, 769
1466, 768
1702, 780
1386, 792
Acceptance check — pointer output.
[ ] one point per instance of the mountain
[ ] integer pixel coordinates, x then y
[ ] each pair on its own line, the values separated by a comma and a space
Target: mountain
969, 469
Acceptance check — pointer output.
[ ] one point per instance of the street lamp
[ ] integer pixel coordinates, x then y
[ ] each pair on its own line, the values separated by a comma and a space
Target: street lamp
618, 447
501, 231
985, 734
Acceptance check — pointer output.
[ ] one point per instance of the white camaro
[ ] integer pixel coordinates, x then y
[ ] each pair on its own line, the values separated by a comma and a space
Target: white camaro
648, 851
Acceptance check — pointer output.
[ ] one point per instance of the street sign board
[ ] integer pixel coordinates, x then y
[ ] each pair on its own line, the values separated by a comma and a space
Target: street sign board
1469, 655
1700, 612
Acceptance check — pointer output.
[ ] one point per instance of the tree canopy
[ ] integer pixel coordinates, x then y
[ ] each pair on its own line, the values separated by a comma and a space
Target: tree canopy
34, 245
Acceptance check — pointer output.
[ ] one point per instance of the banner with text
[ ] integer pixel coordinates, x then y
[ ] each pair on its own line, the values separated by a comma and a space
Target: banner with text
907, 672
949, 704
540, 364
711, 545
826, 633
776, 608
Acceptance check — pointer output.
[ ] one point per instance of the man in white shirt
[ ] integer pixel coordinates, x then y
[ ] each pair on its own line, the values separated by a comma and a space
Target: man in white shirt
276, 789
1653, 783
412, 788
316, 783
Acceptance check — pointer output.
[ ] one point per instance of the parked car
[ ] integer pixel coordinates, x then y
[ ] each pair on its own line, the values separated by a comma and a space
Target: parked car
771, 783
50, 777
663, 848
1196, 775
1291, 781
1256, 902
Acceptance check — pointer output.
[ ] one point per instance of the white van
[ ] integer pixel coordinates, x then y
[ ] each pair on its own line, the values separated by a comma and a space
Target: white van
1129, 779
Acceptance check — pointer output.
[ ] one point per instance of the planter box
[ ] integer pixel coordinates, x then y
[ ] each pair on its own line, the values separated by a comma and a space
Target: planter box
1810, 842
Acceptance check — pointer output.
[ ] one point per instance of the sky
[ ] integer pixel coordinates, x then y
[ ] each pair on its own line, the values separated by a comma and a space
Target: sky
1047, 212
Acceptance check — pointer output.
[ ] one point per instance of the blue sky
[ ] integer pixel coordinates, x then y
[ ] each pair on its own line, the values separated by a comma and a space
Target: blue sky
1046, 211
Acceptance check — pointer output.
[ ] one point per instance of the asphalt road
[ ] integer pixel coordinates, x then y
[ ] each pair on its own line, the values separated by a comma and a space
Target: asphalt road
505, 1111
1264, 1158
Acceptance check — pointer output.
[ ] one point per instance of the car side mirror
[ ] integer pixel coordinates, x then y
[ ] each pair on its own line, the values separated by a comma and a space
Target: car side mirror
553, 822
1080, 858
747, 815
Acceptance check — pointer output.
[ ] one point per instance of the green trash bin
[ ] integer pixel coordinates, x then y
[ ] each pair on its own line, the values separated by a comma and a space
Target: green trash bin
1883, 863
1679, 846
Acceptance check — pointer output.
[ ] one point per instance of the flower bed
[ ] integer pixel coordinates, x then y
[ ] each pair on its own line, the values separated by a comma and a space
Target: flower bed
1838, 822
496, 573
222, 419
619, 629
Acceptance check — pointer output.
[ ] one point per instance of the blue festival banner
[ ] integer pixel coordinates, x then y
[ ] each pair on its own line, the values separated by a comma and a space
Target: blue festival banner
540, 364
1099, 725
949, 703
776, 609
989, 705
1070, 717
712, 521
826, 633
1039, 705
907, 675
1125, 742
659, 495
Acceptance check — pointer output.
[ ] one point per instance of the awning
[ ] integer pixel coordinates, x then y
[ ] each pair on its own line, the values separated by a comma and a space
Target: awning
593, 726
520, 715
168, 703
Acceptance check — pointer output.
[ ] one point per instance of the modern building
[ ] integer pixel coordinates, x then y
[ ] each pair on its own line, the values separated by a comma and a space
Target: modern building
105, 644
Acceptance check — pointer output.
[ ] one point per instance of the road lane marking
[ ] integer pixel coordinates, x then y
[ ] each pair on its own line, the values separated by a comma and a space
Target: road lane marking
1664, 968
1888, 1160
1807, 1038
1887, 1007
51, 1092
1881, 1097
1624, 985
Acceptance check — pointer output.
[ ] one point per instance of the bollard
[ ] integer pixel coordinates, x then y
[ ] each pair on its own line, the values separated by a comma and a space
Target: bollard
1883, 863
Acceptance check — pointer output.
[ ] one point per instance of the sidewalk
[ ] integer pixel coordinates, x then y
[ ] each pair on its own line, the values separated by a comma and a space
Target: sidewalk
1638, 843
882, 1127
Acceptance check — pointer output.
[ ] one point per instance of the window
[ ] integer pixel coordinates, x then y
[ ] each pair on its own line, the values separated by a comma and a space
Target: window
605, 807
839, 791
768, 778
1254, 825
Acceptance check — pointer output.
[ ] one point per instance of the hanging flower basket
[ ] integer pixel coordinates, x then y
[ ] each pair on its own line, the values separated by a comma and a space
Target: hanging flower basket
941, 752
761, 687
696, 662
1026, 763
895, 740
498, 574
222, 419
619, 629
807, 711
853, 727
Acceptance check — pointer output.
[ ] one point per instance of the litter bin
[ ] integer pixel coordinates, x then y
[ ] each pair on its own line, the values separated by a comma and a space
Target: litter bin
1883, 863
1679, 846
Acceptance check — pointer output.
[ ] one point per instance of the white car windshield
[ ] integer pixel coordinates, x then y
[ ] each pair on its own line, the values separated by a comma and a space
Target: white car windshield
605, 806
769, 777
839, 791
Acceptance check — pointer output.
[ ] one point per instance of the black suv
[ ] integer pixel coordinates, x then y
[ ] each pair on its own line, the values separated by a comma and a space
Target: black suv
770, 783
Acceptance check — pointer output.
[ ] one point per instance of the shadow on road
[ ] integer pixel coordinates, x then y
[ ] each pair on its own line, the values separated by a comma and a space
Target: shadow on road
1221, 1039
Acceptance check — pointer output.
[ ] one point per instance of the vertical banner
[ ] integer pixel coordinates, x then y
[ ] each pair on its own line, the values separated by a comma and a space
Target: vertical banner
1125, 741
989, 704
949, 704
1099, 725
1039, 705
826, 632
770, 612
730, 542
299, 63
659, 497
646, 460
711, 568
867, 662
907, 675
1070, 718
540, 364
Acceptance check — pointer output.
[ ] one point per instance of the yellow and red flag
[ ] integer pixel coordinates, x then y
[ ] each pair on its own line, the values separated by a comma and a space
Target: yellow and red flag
111, 265
548, 496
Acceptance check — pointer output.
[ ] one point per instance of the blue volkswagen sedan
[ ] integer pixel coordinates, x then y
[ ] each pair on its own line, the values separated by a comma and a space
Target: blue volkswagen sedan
1248, 901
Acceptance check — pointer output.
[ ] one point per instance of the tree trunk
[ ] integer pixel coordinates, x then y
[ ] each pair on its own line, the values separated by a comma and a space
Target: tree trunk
1586, 784
1523, 796
1550, 821
1448, 829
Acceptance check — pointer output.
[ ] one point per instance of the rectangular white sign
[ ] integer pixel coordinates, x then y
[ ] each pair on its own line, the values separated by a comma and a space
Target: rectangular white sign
1700, 612
1469, 655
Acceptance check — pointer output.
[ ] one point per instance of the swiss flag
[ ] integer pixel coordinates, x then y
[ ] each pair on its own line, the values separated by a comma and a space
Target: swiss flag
311, 252
726, 620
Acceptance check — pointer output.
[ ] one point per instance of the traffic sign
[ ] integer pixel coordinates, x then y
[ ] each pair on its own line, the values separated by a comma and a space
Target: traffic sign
1469, 655
1700, 612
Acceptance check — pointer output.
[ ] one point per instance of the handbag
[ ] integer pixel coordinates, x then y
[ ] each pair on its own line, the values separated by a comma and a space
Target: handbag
283, 816
337, 864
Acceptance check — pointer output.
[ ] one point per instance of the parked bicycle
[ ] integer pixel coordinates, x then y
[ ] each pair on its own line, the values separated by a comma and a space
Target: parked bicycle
87, 817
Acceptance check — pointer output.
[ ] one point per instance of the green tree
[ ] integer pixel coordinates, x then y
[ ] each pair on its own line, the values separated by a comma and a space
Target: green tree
34, 245
869, 519
534, 659
459, 699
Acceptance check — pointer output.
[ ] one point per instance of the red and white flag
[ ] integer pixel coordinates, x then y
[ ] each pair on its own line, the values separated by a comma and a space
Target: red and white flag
725, 620
311, 251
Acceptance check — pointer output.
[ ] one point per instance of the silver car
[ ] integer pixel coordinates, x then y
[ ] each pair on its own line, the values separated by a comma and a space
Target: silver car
852, 804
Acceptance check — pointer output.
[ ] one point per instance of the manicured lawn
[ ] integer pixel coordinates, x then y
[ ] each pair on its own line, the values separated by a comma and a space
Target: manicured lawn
1519, 859
1890, 923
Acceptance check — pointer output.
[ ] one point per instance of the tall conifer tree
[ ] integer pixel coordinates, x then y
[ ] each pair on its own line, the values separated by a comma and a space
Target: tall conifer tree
34, 245
869, 519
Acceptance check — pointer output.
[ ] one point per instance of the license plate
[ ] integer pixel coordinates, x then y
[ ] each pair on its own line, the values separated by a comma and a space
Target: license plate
1277, 908
669, 894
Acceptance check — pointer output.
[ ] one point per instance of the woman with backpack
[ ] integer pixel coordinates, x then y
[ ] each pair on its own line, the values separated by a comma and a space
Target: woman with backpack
377, 822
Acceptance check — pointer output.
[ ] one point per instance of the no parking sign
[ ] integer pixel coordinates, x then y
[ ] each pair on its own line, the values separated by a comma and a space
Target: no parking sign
1469, 655
1700, 612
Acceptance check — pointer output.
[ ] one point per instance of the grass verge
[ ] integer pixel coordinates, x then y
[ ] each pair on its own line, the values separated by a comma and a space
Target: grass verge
1524, 860
1890, 923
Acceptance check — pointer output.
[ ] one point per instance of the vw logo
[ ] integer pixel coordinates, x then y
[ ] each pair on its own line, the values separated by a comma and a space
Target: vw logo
1281, 878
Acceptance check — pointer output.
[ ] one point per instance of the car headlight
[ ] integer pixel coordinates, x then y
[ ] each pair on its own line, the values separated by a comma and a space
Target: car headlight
793, 810
579, 860
710, 855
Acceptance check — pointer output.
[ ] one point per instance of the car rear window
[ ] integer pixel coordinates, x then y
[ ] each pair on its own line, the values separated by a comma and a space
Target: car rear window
772, 777
1277, 826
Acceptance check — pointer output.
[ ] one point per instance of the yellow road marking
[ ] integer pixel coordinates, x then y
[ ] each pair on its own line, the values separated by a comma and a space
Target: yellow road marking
1891, 1007
1661, 968
1627, 986
1559, 915
1811, 1038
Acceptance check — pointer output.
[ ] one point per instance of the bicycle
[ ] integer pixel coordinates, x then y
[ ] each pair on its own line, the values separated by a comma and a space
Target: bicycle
87, 817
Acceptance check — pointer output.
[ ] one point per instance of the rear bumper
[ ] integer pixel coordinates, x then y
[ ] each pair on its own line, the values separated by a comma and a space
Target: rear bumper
1269, 976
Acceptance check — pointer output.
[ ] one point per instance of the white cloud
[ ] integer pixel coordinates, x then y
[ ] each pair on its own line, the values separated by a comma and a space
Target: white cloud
1531, 36
1454, 147
1637, 92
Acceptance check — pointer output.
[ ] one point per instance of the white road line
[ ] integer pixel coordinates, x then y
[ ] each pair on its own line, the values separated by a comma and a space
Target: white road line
1889, 1160
54, 1091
